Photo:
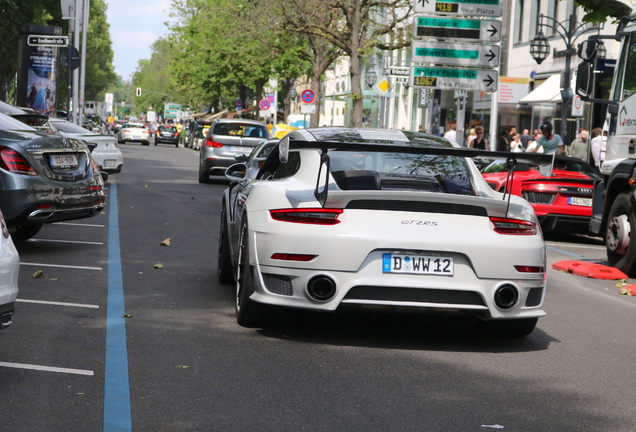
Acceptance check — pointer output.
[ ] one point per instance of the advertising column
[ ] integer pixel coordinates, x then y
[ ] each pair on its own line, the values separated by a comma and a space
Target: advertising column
38, 71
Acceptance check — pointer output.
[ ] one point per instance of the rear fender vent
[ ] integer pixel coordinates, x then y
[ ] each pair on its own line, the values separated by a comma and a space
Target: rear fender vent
280, 285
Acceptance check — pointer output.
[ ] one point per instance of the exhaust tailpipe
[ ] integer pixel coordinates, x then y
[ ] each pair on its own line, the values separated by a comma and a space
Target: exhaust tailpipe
506, 296
321, 288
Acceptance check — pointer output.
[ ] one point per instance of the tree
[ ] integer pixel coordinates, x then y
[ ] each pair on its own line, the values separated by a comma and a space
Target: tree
600, 10
153, 77
100, 72
354, 26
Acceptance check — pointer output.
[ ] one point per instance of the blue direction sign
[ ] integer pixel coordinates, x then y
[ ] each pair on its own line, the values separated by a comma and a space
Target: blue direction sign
473, 30
491, 8
455, 54
445, 78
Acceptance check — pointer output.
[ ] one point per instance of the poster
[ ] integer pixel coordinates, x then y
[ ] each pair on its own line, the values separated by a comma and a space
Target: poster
41, 79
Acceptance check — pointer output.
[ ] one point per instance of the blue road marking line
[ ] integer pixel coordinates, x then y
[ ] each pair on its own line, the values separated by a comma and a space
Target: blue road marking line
581, 258
117, 416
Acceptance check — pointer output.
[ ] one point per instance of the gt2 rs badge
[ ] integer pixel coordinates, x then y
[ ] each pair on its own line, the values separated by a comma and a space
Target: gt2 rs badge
419, 222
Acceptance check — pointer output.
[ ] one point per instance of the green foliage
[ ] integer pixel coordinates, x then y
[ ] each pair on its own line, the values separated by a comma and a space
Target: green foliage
600, 10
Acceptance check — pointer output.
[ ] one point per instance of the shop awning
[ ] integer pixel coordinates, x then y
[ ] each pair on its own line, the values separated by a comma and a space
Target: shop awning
548, 92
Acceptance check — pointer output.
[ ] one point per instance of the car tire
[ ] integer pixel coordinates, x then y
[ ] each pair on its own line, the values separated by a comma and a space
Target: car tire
620, 245
518, 328
248, 312
224, 264
204, 177
24, 232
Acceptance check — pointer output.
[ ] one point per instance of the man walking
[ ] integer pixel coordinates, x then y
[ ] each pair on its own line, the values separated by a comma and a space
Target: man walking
579, 147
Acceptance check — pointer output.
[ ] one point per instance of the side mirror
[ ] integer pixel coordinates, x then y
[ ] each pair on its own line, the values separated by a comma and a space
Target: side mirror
240, 157
104, 175
584, 80
236, 172
588, 49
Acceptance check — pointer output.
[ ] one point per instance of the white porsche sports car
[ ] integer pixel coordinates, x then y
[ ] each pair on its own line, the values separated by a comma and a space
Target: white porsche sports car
344, 216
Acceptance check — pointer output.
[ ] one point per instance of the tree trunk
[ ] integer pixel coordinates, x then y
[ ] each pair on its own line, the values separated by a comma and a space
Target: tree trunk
315, 87
354, 71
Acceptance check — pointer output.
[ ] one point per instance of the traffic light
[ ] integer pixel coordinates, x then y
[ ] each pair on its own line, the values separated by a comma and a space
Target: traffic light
138, 92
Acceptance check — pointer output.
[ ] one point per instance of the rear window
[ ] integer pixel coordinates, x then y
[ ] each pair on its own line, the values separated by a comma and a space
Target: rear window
70, 127
240, 129
401, 171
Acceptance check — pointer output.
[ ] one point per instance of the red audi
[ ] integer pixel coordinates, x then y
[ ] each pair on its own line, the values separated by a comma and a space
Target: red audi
562, 201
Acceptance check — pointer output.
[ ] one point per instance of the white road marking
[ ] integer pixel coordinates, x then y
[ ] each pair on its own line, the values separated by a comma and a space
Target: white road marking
47, 368
61, 266
64, 241
77, 224
90, 306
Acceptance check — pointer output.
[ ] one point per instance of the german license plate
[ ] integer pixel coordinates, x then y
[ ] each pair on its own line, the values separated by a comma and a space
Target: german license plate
64, 160
110, 163
587, 202
417, 264
238, 149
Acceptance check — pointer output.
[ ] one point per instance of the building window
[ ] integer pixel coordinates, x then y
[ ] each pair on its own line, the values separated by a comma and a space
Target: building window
534, 19
518, 31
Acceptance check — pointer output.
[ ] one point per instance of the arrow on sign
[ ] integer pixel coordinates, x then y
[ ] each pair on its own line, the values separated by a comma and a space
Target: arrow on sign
491, 56
489, 81
423, 2
492, 30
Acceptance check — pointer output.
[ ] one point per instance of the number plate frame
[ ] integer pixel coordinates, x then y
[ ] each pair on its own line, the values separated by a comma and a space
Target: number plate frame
416, 264
63, 160
578, 201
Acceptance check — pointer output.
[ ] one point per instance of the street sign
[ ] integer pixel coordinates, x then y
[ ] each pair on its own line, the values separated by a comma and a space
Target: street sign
401, 80
384, 86
308, 96
308, 109
444, 78
264, 104
47, 40
491, 8
425, 96
171, 110
455, 54
455, 28
239, 104
400, 71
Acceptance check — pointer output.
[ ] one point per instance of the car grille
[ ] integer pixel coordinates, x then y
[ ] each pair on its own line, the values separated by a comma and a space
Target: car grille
420, 295
280, 285
539, 197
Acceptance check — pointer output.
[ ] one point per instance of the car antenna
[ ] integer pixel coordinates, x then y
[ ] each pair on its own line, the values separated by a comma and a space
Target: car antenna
511, 163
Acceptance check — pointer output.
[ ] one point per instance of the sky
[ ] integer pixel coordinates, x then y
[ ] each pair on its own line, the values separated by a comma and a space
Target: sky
134, 26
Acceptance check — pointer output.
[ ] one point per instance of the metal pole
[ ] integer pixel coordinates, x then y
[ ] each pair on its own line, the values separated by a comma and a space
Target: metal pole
85, 17
565, 82
76, 43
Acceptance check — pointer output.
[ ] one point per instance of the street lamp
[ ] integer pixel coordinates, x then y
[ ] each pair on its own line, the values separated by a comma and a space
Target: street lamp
371, 76
540, 49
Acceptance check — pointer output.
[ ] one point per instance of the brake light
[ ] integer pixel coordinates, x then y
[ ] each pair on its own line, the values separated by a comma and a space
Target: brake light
530, 269
293, 257
538, 187
12, 161
126, 130
513, 226
211, 143
308, 216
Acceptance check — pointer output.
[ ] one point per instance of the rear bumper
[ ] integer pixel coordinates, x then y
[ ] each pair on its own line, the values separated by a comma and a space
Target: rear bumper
6, 315
565, 223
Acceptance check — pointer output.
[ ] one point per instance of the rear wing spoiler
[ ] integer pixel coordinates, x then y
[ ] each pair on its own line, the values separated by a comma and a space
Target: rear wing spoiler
543, 161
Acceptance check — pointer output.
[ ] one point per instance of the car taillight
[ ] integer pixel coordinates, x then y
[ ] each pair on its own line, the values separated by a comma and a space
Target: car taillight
126, 130
513, 226
307, 216
14, 162
211, 143
5, 230
539, 187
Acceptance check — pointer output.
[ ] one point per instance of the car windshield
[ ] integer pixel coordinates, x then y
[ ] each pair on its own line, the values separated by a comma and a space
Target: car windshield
133, 125
9, 123
70, 128
240, 129
167, 129
406, 171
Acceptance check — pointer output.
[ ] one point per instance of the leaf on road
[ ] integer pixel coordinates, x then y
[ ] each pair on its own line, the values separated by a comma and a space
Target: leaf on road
54, 279
493, 426
38, 274
629, 290
158, 266
126, 315
621, 285
166, 242
145, 186
182, 367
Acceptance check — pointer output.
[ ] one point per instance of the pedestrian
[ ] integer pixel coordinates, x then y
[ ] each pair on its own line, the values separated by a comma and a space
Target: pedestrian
533, 147
479, 142
598, 145
502, 141
579, 147
511, 134
471, 136
451, 135
525, 138
515, 145
551, 142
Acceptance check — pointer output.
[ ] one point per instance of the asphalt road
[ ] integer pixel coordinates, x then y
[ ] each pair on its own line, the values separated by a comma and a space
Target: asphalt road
189, 367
